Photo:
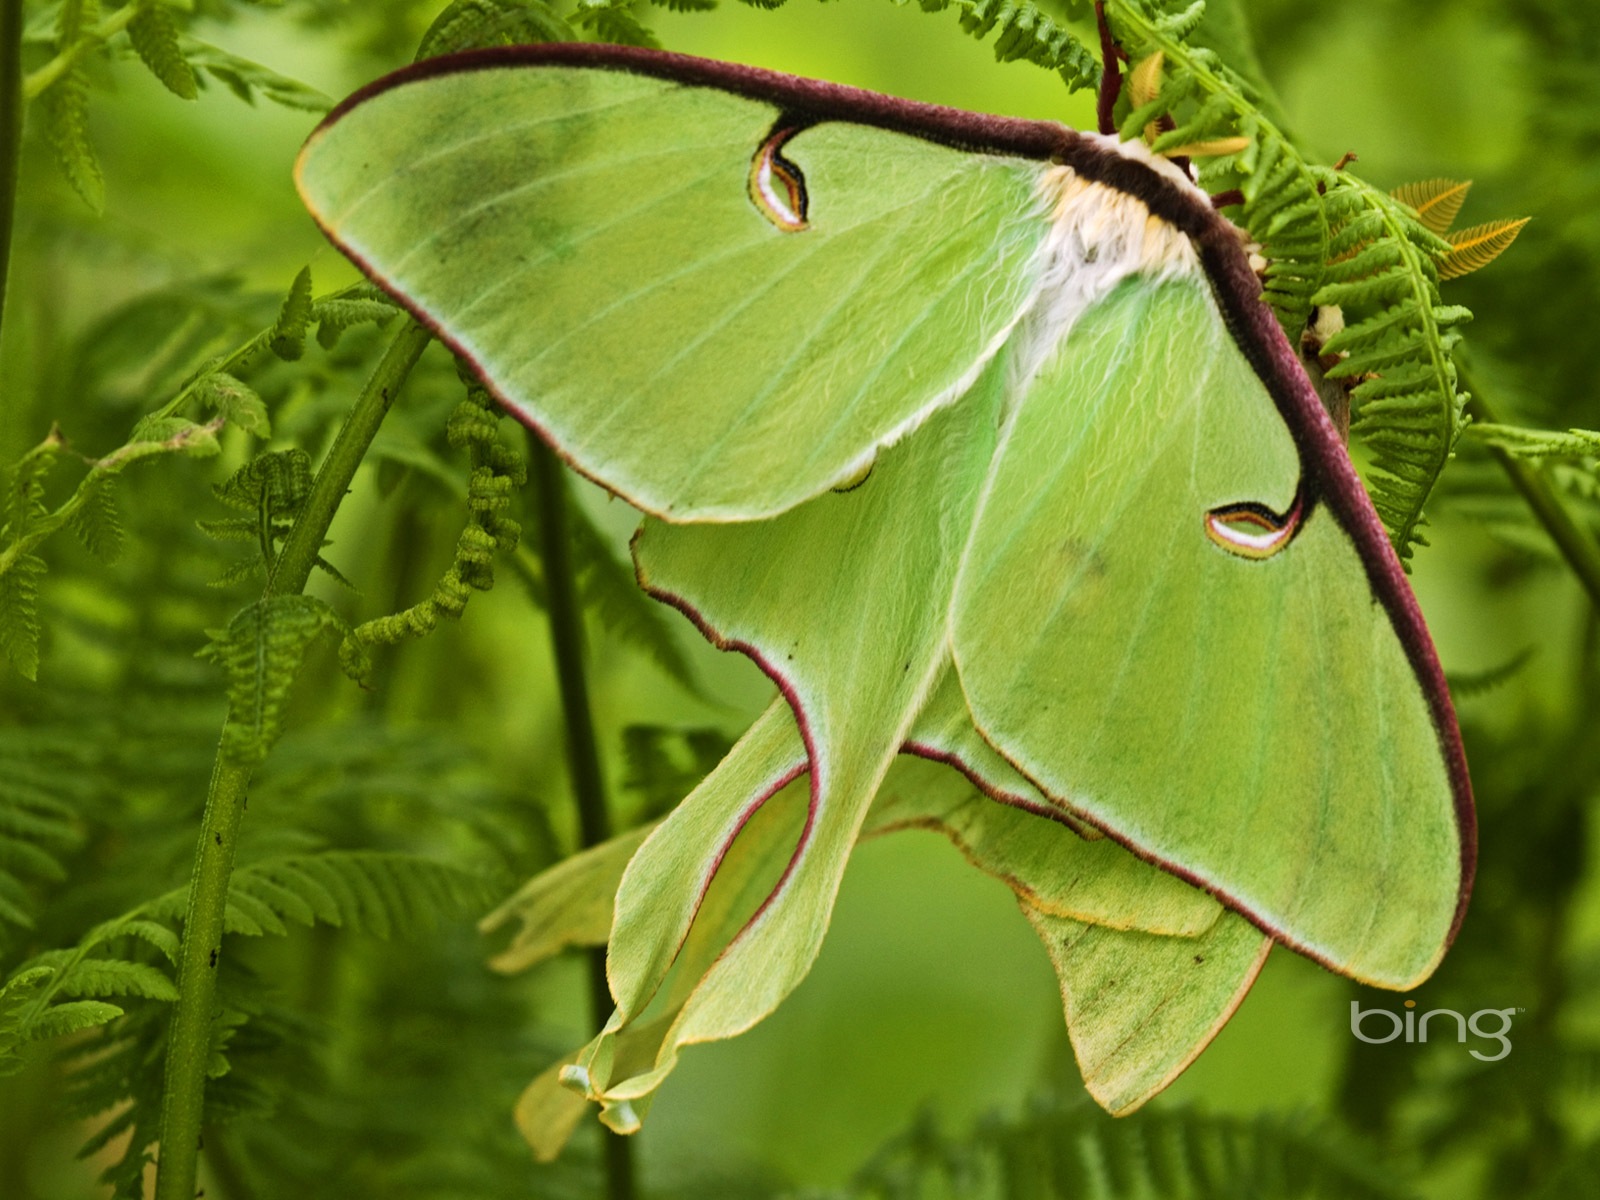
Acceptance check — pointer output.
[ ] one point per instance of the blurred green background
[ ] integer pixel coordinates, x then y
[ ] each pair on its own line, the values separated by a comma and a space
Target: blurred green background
931, 994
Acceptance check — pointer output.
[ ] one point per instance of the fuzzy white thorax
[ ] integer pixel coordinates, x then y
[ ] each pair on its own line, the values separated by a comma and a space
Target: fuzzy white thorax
1098, 237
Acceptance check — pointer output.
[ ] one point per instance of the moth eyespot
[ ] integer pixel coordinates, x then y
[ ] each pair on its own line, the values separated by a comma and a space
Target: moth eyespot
1254, 531
777, 188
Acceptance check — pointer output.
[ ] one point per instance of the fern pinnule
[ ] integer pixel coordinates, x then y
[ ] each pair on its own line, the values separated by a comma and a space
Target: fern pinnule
97, 523
247, 79
335, 314
1537, 444
1395, 347
1476, 247
473, 24
261, 651
287, 338
155, 37
67, 105
1025, 32
1436, 202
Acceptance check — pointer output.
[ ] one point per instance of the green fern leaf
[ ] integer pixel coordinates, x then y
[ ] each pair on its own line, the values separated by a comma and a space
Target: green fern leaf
176, 433
229, 529
116, 977
382, 893
67, 107
235, 401
24, 500
287, 338
250, 915
151, 932
97, 523
470, 24
20, 628
261, 651
17, 995
71, 1017
277, 482
1024, 32
247, 79
1466, 684
154, 34
1537, 444
333, 316
611, 21
39, 824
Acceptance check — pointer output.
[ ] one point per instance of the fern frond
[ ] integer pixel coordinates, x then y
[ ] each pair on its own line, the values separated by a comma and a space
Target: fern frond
20, 628
384, 893
336, 316
495, 472
1397, 342
118, 977
665, 764
612, 21
1465, 684
1475, 248
97, 523
1024, 32
1537, 443
1436, 202
17, 995
277, 482
235, 401
1068, 1149
470, 24
67, 106
155, 37
61, 1019
24, 499
261, 651
1214, 115
31, 1004
39, 825
247, 79
287, 338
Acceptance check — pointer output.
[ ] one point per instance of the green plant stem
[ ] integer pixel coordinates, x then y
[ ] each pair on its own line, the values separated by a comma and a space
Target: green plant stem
1574, 542
58, 66
10, 131
583, 754
189, 1040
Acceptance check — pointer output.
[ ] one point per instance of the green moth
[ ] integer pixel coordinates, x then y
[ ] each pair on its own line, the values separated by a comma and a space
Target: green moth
975, 434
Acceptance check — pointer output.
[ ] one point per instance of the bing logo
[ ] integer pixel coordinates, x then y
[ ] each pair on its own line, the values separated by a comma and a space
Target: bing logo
1490, 1024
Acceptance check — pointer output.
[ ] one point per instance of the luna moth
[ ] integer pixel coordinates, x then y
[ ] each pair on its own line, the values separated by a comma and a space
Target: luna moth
975, 434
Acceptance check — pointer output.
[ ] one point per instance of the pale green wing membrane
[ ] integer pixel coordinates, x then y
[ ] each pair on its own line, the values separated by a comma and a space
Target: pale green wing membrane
1153, 632
1141, 1007
1087, 880
1106, 567
713, 312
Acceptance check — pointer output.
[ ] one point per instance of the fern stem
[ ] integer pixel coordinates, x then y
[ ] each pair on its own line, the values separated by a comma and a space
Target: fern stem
10, 131
189, 1041
583, 754
304, 543
37, 81
1574, 542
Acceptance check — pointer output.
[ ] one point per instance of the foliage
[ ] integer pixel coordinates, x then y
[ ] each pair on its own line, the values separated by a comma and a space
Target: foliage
1061, 1147
404, 804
